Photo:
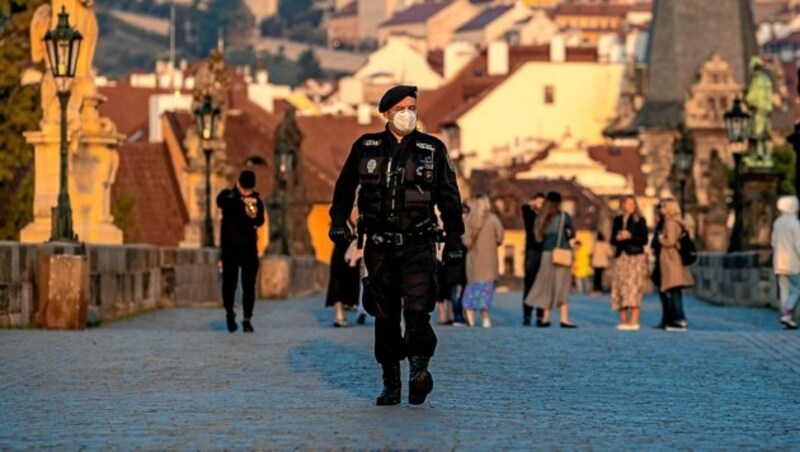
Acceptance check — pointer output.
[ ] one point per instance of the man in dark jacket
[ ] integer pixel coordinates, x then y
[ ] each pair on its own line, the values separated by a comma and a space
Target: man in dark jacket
533, 253
403, 174
242, 214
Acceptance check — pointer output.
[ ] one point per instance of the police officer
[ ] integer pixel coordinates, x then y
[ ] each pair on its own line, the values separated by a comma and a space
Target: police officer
242, 214
403, 174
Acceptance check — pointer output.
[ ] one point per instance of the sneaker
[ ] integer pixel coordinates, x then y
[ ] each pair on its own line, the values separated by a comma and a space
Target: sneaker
623, 327
247, 327
675, 327
487, 323
633, 327
457, 323
788, 323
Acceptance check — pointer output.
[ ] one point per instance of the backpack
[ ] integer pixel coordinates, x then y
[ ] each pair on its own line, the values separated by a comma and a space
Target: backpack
687, 249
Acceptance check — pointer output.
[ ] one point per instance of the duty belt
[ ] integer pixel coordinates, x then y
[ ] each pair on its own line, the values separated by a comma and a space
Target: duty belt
399, 239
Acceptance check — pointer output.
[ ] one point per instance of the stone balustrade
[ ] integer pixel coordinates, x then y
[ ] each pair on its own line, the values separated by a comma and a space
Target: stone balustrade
736, 279
123, 280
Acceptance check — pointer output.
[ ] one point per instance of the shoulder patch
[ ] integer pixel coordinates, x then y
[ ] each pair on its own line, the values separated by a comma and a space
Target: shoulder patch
425, 146
371, 142
450, 162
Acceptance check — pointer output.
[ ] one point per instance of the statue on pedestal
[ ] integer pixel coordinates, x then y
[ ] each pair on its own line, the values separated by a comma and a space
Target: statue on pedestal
93, 157
759, 102
288, 205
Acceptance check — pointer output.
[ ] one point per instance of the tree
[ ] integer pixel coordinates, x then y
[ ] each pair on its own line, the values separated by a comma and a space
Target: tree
20, 111
309, 66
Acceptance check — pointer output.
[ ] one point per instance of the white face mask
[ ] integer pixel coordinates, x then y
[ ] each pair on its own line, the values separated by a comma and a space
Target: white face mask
405, 121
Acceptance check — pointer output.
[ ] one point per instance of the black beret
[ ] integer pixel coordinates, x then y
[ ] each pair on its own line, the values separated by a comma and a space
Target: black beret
554, 196
247, 179
395, 95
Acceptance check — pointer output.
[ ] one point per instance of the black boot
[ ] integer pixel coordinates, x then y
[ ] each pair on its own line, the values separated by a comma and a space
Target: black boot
391, 385
420, 381
230, 319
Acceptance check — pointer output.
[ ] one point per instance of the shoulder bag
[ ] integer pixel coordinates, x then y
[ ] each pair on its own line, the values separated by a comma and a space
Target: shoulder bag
561, 257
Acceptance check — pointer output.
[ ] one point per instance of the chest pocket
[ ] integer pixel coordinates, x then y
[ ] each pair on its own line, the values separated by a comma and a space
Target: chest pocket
420, 171
370, 170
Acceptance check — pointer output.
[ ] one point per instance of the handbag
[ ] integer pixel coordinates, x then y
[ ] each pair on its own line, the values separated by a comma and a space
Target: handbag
561, 257
687, 248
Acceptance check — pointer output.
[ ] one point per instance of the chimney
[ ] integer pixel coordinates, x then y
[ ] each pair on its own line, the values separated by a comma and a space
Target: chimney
364, 114
456, 56
262, 78
498, 58
558, 50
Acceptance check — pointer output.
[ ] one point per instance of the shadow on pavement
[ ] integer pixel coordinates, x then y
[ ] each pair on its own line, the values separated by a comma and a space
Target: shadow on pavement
340, 366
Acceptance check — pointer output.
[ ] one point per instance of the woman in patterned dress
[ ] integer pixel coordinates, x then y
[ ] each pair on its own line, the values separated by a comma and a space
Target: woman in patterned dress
629, 237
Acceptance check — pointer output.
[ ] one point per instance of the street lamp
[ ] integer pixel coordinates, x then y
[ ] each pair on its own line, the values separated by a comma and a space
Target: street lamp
736, 123
206, 116
684, 154
63, 46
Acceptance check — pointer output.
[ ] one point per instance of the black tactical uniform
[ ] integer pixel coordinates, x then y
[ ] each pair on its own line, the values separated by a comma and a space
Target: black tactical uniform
239, 248
400, 185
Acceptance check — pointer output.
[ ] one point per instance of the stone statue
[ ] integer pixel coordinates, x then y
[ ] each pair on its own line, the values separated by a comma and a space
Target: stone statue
288, 205
717, 179
759, 101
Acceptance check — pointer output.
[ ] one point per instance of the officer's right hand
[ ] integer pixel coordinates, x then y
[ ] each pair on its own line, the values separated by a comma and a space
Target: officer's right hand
339, 234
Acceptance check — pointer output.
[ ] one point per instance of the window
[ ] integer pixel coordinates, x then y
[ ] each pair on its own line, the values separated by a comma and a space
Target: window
549, 94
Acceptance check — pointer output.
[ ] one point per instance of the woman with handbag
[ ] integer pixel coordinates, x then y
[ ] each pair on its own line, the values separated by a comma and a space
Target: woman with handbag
554, 229
674, 275
629, 237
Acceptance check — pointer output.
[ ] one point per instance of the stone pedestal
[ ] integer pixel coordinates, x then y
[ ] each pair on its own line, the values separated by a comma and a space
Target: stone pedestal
759, 210
281, 277
63, 291
92, 171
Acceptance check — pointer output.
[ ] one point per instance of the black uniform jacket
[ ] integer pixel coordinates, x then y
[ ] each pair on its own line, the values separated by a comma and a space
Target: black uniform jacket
400, 183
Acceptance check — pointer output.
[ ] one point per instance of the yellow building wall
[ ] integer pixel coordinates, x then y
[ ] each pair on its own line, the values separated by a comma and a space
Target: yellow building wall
441, 27
318, 224
586, 96
541, 3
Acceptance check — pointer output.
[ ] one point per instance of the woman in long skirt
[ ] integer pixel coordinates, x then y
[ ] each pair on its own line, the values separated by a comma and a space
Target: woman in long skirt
344, 281
554, 229
629, 237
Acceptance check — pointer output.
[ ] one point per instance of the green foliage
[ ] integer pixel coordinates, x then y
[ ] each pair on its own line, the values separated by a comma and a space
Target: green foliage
122, 211
20, 111
309, 66
784, 158
295, 11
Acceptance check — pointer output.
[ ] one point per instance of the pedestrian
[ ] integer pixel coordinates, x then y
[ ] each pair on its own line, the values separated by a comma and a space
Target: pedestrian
674, 275
242, 213
484, 233
601, 256
554, 228
629, 237
403, 176
667, 314
345, 279
533, 253
786, 258
582, 269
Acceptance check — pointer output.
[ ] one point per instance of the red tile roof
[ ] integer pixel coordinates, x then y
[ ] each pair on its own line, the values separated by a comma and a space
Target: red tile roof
624, 160
147, 177
127, 106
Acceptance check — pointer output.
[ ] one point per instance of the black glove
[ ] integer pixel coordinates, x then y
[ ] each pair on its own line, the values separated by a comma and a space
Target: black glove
339, 234
453, 252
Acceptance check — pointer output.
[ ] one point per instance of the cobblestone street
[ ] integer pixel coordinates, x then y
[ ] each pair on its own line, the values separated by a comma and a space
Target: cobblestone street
177, 379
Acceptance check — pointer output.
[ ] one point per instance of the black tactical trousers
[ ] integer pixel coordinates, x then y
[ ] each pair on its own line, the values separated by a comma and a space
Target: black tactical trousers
401, 279
233, 261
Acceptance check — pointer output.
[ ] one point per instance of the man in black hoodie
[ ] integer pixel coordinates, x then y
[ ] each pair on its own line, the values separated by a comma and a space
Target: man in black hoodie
242, 214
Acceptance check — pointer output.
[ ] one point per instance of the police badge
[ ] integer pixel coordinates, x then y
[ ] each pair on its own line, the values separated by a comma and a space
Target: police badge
371, 165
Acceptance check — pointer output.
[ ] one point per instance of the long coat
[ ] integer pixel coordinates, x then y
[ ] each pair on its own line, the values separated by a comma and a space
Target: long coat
482, 241
673, 273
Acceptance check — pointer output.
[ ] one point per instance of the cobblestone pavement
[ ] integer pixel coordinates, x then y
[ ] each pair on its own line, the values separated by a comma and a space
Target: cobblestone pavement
176, 379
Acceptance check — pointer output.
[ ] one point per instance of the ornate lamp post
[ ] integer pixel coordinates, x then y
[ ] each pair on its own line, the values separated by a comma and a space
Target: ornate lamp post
684, 159
63, 45
736, 122
207, 115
